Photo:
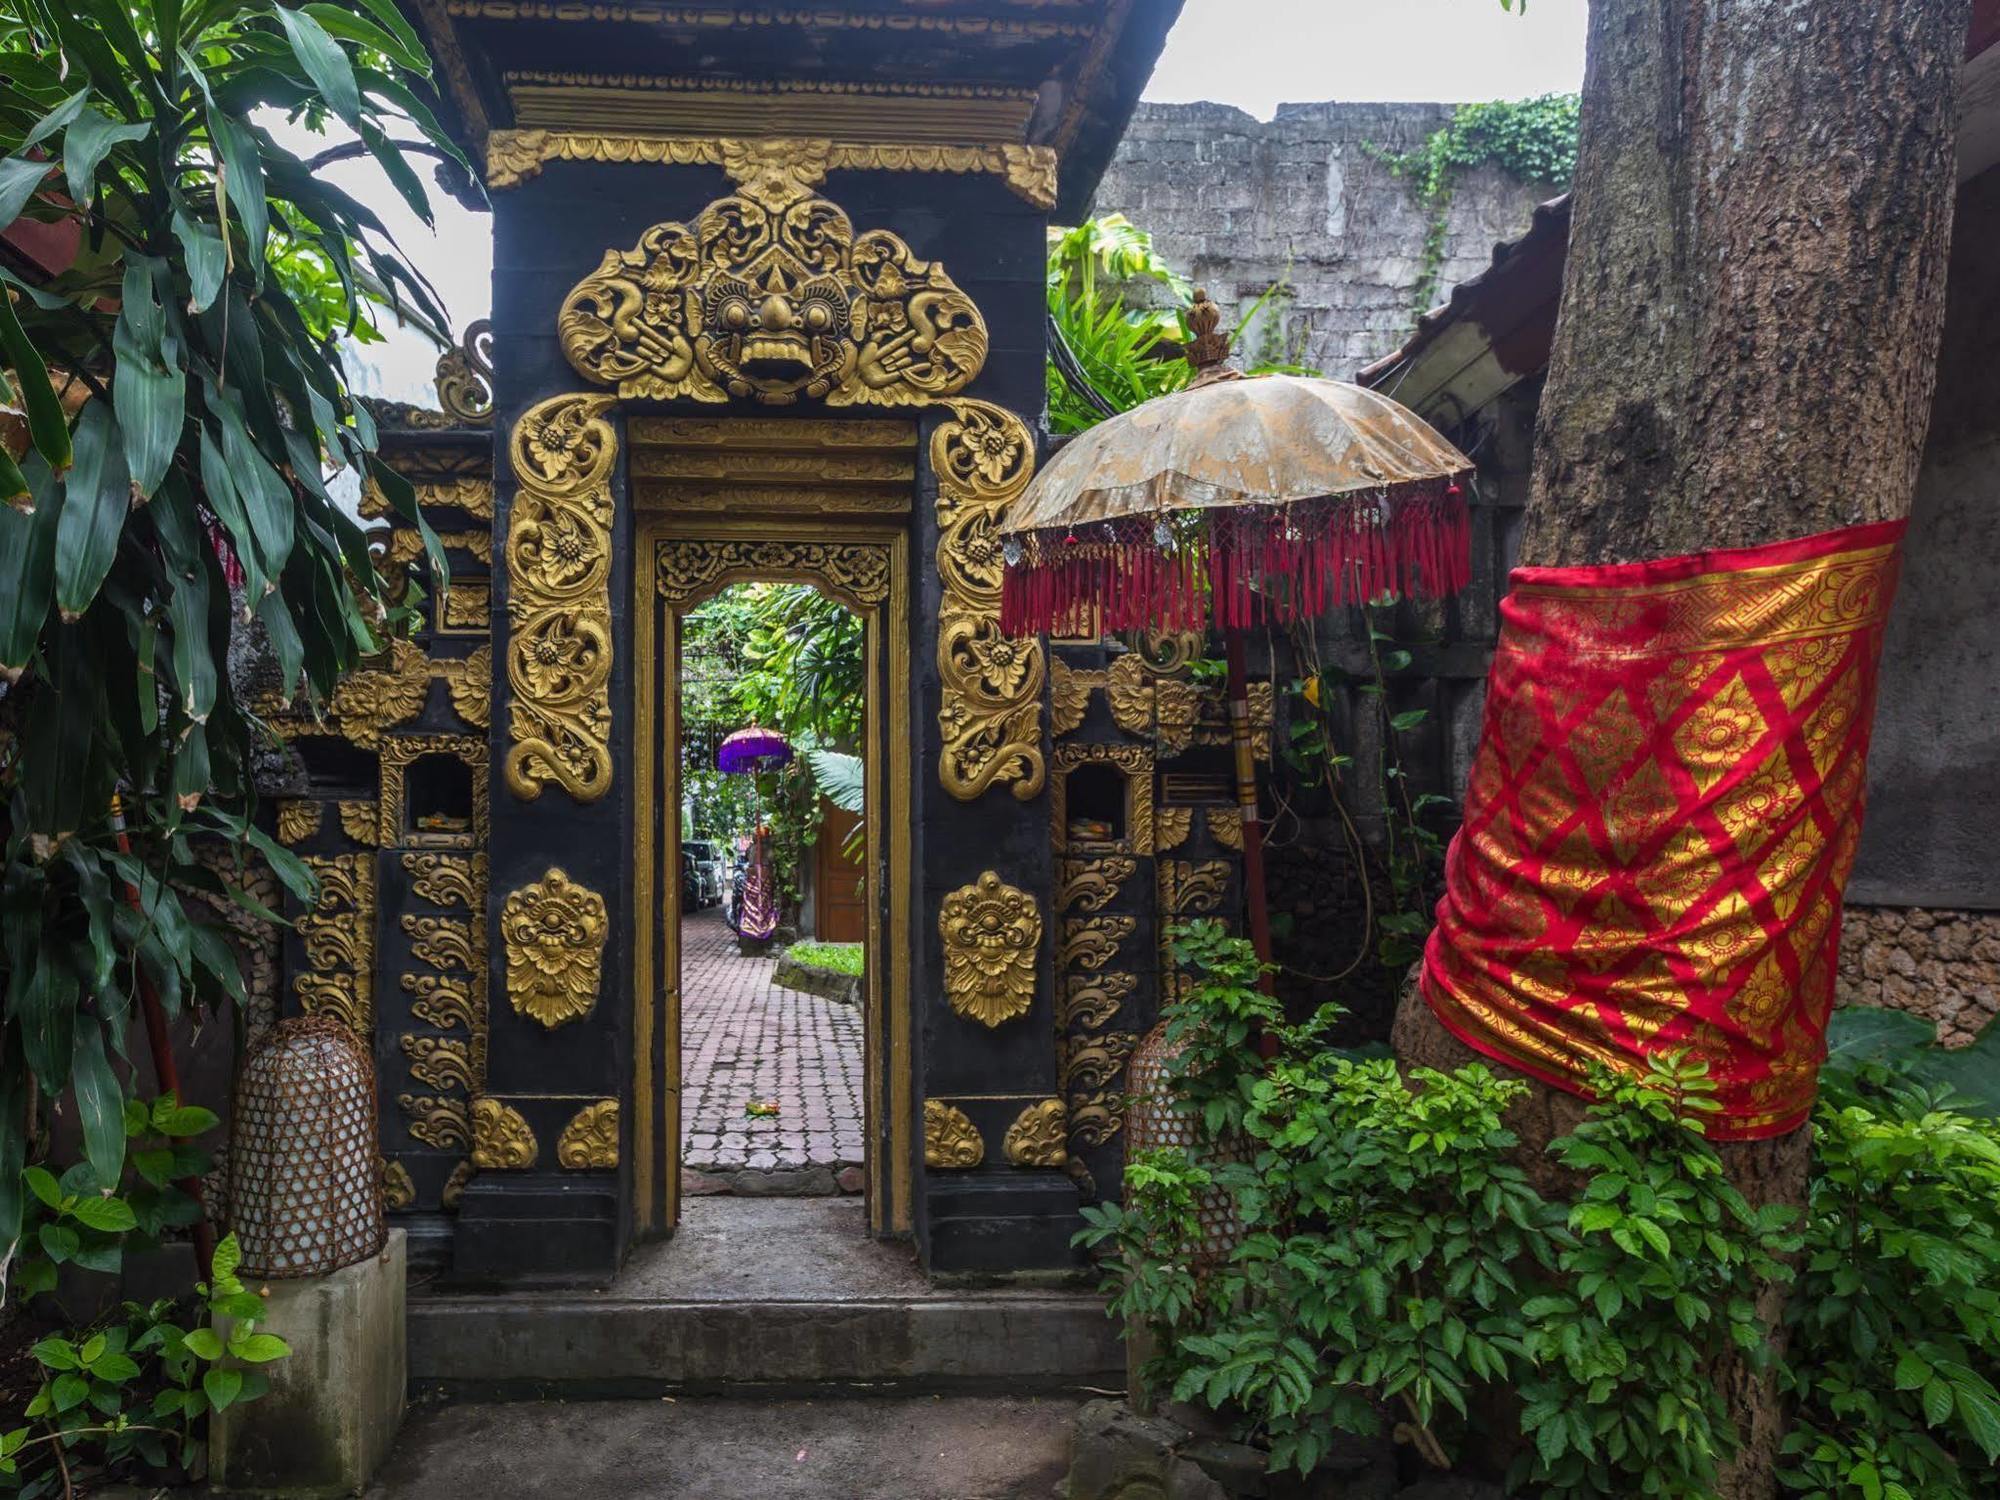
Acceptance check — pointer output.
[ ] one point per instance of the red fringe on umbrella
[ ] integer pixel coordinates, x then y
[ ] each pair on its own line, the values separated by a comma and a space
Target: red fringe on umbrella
1239, 567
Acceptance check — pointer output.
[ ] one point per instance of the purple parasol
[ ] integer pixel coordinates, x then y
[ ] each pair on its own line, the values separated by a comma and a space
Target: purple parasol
752, 749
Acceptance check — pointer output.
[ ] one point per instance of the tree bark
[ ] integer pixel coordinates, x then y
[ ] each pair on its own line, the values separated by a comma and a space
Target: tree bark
1746, 351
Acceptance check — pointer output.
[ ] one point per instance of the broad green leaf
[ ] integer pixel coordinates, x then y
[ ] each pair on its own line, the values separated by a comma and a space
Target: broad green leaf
28, 563
221, 1385
97, 498
207, 259
228, 1256
205, 1343
112, 1215
324, 63
148, 388
194, 664
48, 425
19, 180
55, 119
100, 1103
261, 1348
46, 1009
241, 183
13, 1150
86, 143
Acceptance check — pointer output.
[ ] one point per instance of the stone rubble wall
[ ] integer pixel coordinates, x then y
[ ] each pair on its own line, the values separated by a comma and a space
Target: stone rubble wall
1941, 965
1240, 205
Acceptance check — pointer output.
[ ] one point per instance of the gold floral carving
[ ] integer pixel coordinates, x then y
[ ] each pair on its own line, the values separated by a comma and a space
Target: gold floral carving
360, 821
1090, 884
1092, 942
374, 700
442, 1062
438, 1122
1039, 1135
454, 1187
553, 934
466, 608
471, 686
1093, 1000
950, 1138
1225, 826
770, 296
513, 156
1171, 827
298, 819
464, 377
397, 1189
559, 601
991, 710
447, 879
590, 1140
406, 545
443, 1000
1094, 1063
1069, 696
992, 935
501, 1139
688, 570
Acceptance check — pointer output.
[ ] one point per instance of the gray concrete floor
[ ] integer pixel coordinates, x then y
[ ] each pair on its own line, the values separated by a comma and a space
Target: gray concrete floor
771, 1250
693, 1448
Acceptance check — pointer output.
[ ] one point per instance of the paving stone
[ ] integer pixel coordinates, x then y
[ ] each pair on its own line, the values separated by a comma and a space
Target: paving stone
745, 1040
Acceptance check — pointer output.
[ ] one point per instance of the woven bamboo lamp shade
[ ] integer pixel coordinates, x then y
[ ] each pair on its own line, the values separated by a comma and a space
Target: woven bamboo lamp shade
305, 1176
1152, 1121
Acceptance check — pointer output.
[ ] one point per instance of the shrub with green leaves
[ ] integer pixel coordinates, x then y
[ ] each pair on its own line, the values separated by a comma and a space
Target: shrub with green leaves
1894, 1322
185, 411
1397, 1265
129, 1399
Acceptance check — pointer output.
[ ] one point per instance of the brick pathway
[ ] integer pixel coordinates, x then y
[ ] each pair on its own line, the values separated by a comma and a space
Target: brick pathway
744, 1038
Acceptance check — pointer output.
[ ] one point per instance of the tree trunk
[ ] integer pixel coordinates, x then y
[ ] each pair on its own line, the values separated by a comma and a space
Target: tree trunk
1750, 320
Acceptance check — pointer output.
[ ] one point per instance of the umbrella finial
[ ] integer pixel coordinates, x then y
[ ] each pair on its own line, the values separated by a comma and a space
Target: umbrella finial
1207, 350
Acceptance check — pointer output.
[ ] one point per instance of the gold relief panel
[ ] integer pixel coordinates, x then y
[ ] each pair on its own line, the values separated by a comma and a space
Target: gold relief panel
466, 608
553, 933
360, 821
689, 570
1039, 1135
1171, 827
1069, 695
406, 545
444, 1000
338, 938
589, 1142
770, 296
471, 686
443, 942
501, 1139
398, 1192
1092, 1064
1092, 1001
558, 599
992, 936
1092, 942
298, 819
1090, 885
437, 1122
454, 1187
348, 998
513, 156
1225, 826
1192, 887
448, 879
441, 1062
950, 1139
991, 710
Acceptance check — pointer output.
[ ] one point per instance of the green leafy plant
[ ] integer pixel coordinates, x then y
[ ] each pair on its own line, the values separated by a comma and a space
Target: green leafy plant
1396, 1266
841, 958
130, 1397
1534, 140
1115, 346
1893, 1325
184, 412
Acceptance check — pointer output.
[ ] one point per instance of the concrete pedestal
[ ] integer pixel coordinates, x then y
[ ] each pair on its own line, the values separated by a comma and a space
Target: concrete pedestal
336, 1401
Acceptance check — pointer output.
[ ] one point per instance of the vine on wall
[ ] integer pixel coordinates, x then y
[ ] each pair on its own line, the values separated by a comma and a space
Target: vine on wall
1533, 140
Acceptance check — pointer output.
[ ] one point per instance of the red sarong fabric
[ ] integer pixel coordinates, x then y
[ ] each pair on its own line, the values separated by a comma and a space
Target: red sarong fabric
1662, 814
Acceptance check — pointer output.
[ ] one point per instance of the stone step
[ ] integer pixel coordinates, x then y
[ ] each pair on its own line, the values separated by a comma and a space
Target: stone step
761, 1295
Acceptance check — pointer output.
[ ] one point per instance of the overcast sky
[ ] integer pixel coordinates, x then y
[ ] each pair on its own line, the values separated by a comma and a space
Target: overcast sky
1254, 54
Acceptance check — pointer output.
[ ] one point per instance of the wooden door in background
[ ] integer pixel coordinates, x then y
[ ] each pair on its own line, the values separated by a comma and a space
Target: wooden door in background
841, 908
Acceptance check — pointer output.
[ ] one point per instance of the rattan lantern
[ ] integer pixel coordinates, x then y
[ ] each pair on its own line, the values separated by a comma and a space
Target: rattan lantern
305, 1178
1153, 1120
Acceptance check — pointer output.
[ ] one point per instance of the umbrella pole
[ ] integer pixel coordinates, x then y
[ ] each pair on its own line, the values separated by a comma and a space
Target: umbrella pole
1246, 803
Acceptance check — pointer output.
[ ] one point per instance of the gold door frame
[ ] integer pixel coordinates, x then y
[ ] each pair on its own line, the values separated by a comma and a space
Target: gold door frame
797, 549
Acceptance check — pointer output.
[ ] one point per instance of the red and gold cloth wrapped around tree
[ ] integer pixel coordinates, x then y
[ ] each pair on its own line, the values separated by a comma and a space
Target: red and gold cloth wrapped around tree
1662, 814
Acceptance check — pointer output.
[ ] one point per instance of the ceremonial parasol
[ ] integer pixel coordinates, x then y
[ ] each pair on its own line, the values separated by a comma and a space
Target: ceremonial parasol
745, 752
1238, 501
